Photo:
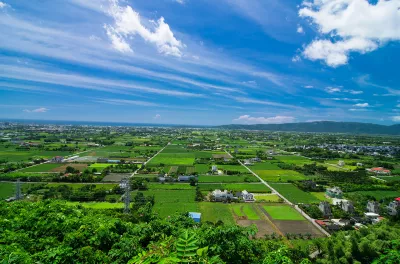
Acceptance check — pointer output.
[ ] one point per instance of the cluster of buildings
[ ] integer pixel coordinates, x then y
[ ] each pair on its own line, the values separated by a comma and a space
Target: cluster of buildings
379, 171
249, 162
225, 196
385, 150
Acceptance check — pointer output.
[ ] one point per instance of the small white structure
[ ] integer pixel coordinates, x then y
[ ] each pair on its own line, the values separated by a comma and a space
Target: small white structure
247, 162
214, 168
221, 196
247, 197
347, 206
374, 218
341, 163
359, 164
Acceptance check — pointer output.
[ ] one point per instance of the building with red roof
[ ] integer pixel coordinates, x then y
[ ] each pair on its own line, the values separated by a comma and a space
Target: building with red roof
379, 170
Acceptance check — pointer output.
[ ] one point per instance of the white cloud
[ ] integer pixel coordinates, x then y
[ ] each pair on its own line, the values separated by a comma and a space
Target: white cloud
272, 77
308, 86
356, 26
346, 99
3, 5
180, 1
157, 116
353, 91
332, 89
398, 105
357, 109
396, 118
126, 102
128, 24
264, 120
336, 54
362, 105
296, 58
300, 29
250, 83
38, 110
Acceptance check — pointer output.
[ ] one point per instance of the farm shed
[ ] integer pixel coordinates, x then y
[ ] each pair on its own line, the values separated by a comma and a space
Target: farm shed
196, 216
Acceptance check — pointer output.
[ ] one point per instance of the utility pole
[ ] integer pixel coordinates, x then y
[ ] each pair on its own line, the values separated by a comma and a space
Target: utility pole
127, 195
18, 194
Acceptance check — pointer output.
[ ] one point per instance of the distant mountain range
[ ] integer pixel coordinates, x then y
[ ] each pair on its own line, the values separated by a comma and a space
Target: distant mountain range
323, 126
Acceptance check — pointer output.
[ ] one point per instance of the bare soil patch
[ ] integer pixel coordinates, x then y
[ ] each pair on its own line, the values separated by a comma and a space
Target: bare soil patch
115, 177
263, 226
77, 166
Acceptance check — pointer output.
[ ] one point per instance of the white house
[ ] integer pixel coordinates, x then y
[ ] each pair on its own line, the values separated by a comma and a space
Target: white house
341, 163
221, 196
214, 168
325, 208
57, 159
247, 197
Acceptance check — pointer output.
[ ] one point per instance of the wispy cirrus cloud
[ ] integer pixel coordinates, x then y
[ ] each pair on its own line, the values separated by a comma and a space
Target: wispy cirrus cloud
37, 110
247, 119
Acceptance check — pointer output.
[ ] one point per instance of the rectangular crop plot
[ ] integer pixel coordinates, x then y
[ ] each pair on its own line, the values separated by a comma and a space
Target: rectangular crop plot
245, 210
190, 170
283, 212
238, 178
172, 159
250, 187
279, 175
168, 202
215, 212
99, 166
379, 195
298, 160
46, 167
270, 198
173, 169
294, 194
264, 166
202, 168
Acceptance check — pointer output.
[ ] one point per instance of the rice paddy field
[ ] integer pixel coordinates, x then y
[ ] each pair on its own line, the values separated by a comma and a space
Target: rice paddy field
245, 210
11, 154
99, 166
46, 167
297, 160
283, 212
250, 187
294, 194
269, 198
167, 202
226, 179
215, 212
279, 175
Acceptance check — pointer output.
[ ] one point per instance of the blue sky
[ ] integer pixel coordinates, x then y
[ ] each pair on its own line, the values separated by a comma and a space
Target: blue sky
202, 62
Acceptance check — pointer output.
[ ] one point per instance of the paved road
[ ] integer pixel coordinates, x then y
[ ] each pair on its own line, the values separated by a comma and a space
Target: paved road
286, 200
147, 161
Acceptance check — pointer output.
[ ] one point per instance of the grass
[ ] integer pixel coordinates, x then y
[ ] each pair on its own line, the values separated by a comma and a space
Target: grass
172, 159
169, 201
46, 167
257, 188
7, 189
297, 160
283, 212
232, 168
272, 198
379, 195
223, 179
99, 166
279, 175
202, 168
170, 186
320, 196
237, 210
249, 211
264, 166
215, 212
293, 194
99, 205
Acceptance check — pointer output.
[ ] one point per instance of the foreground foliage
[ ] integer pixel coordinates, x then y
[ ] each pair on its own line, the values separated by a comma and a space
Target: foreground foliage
54, 232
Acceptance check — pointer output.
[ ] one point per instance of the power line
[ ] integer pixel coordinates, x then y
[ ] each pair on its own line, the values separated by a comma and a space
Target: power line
127, 195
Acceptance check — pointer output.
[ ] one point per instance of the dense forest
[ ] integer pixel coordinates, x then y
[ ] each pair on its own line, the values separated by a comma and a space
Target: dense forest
54, 232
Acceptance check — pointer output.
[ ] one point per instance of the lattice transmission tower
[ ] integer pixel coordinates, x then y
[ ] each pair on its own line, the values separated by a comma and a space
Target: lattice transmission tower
127, 195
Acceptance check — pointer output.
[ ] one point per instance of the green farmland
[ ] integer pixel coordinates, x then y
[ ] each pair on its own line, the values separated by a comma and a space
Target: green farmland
283, 212
215, 212
225, 179
42, 167
250, 187
279, 175
294, 194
